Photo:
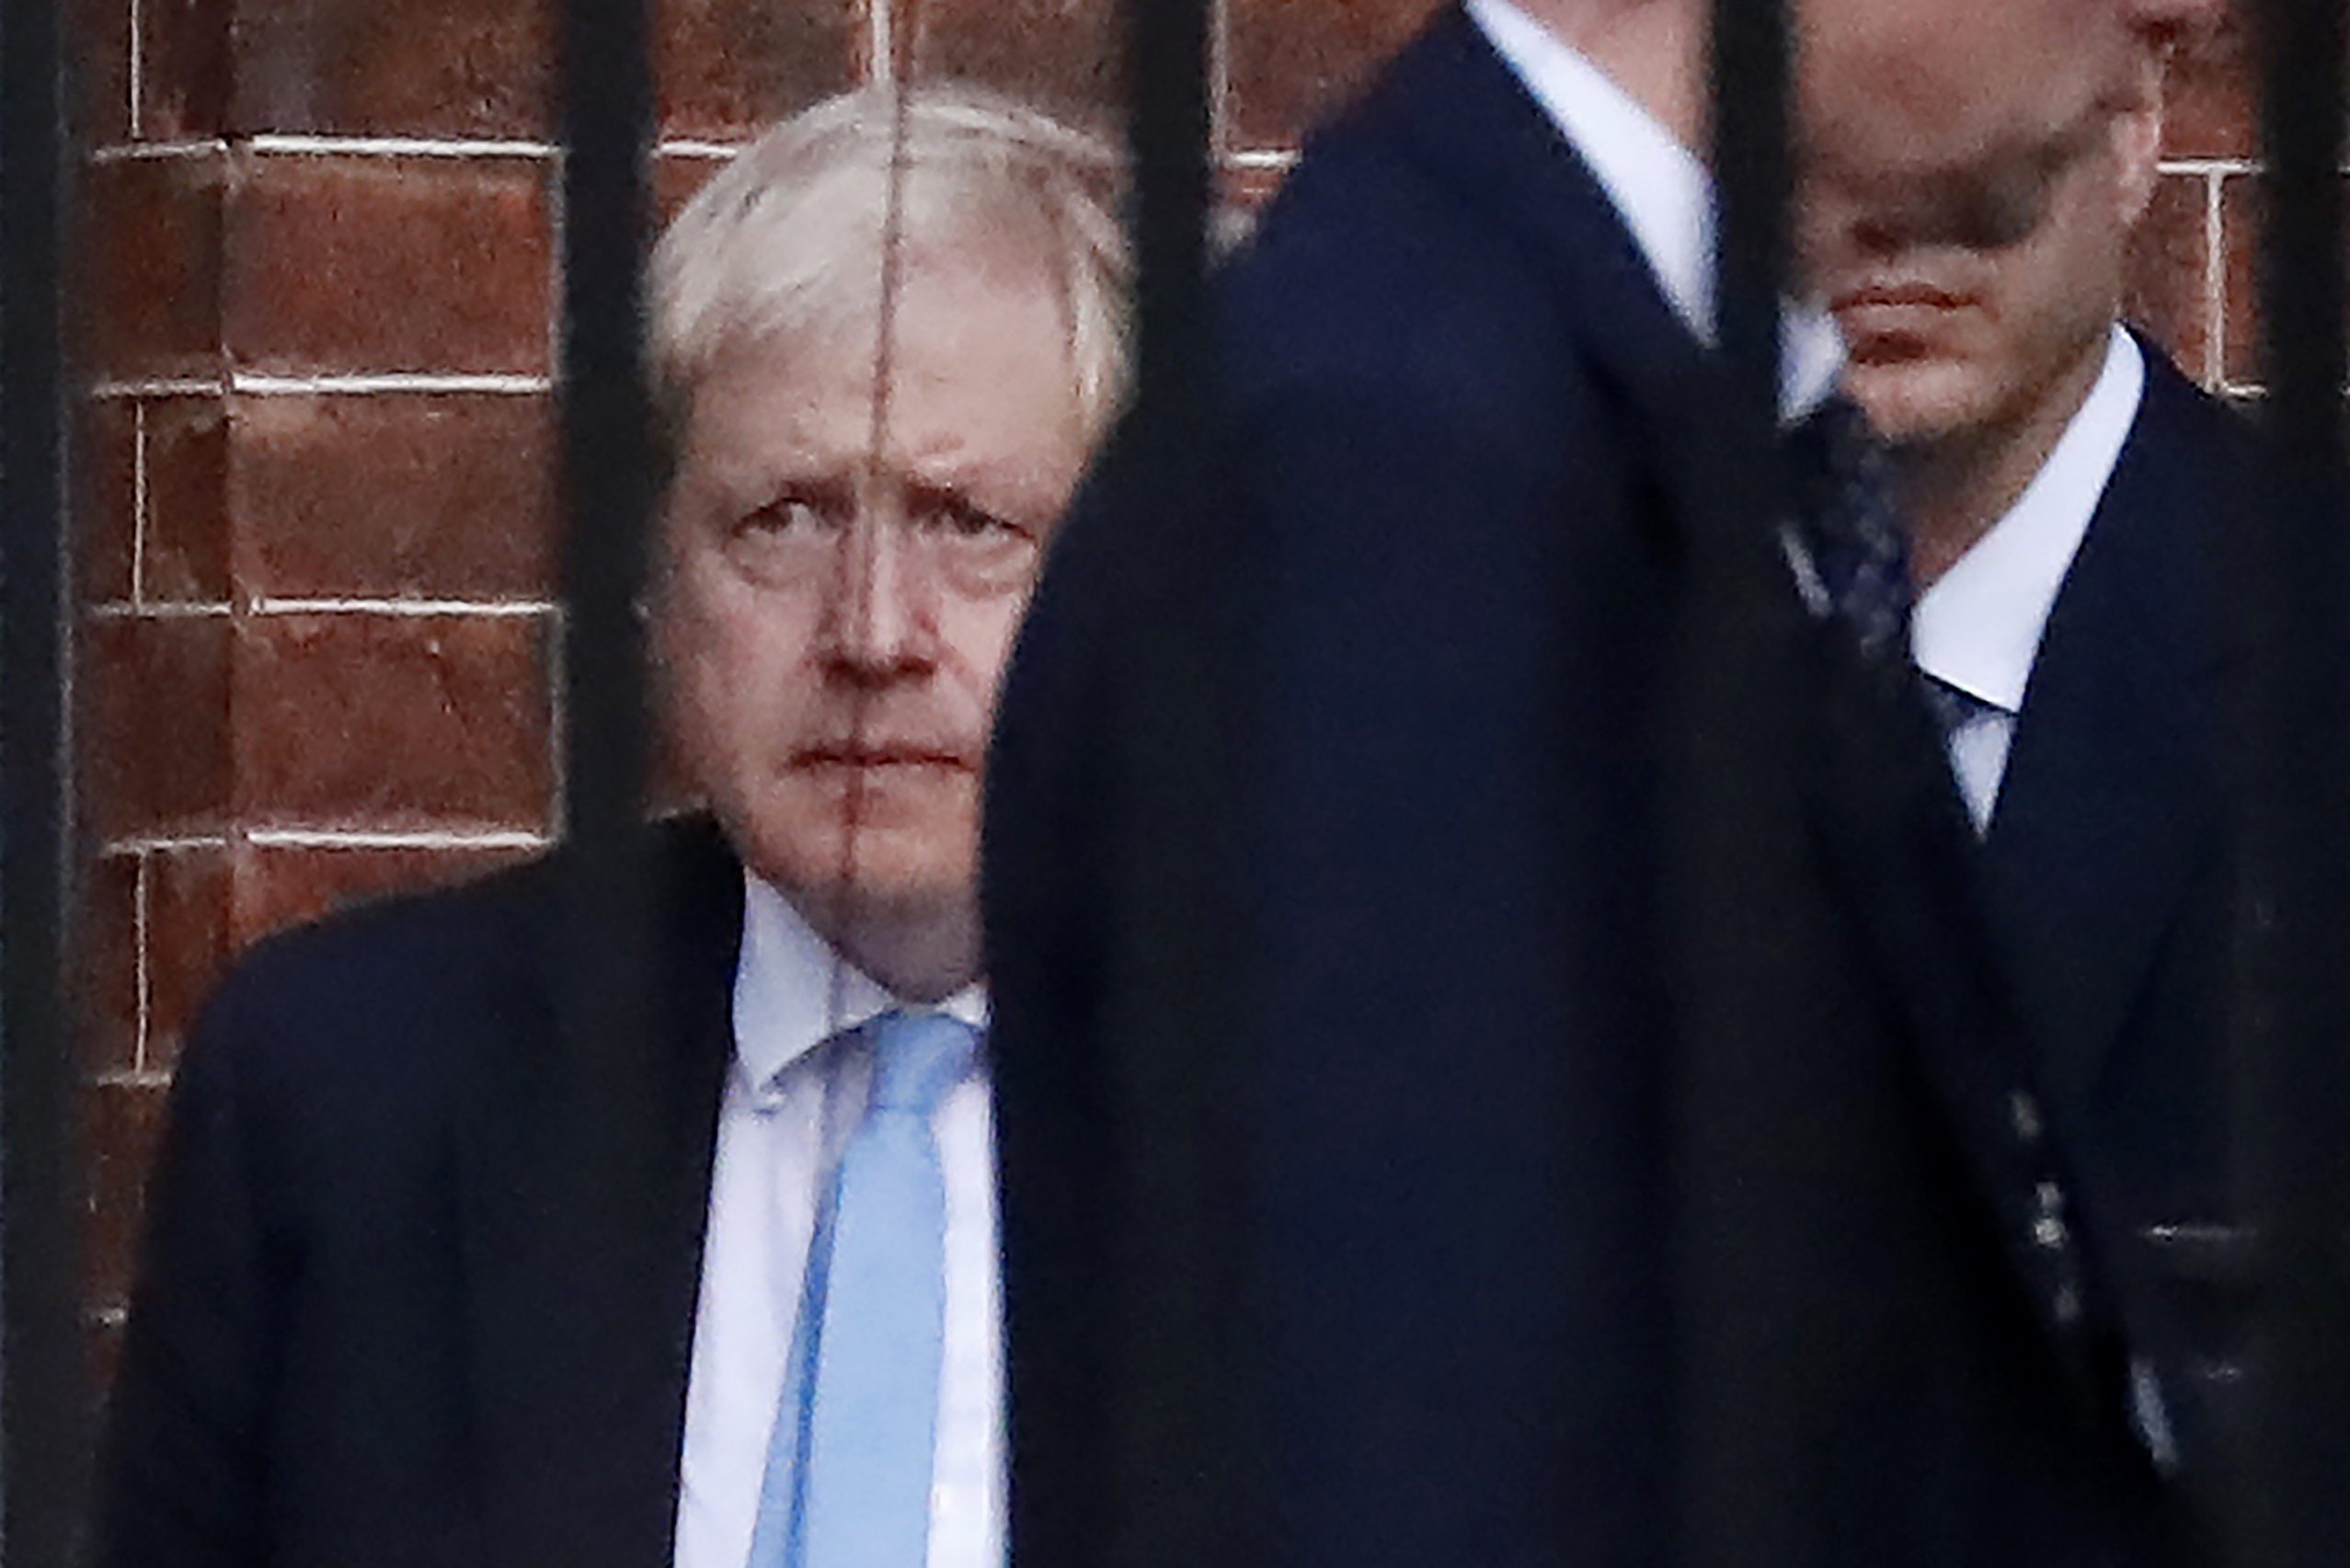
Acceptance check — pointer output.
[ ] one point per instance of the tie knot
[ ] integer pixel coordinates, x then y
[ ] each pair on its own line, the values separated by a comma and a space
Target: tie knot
917, 1057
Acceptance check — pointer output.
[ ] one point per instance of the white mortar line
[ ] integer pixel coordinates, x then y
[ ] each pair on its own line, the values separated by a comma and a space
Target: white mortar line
156, 152
510, 608
168, 386
689, 147
2209, 165
1278, 160
144, 981
105, 1317
421, 839
163, 844
2215, 279
137, 503
372, 381
285, 144
161, 610
137, 1078
137, 74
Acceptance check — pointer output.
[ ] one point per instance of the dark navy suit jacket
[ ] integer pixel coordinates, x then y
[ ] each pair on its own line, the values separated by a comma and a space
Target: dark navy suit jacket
1375, 1193
390, 1311
2111, 867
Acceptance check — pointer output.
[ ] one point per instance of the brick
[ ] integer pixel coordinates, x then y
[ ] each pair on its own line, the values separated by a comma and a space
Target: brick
149, 232
2170, 274
370, 497
726, 69
124, 1124
391, 722
185, 67
1064, 56
184, 554
105, 972
676, 177
468, 68
97, 38
106, 500
155, 737
2242, 215
1295, 61
190, 894
2212, 93
374, 264
284, 885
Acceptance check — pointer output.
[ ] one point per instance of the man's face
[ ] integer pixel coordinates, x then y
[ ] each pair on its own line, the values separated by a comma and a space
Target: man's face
1968, 196
834, 614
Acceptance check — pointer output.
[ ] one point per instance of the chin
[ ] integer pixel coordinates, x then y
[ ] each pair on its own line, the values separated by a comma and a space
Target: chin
1917, 402
912, 871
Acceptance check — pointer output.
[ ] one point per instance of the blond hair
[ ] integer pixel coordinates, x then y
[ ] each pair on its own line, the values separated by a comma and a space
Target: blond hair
789, 238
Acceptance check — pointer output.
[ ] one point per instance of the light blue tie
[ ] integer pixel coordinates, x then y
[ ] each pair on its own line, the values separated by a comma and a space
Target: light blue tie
848, 1474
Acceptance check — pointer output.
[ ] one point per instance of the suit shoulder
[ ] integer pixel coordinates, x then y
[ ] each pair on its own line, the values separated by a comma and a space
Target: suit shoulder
401, 986
1369, 269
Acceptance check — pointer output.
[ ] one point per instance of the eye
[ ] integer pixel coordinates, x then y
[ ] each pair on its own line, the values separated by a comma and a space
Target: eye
788, 514
957, 517
788, 538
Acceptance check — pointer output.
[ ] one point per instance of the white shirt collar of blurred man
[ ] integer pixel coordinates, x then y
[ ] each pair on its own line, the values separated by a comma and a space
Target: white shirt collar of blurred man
1658, 187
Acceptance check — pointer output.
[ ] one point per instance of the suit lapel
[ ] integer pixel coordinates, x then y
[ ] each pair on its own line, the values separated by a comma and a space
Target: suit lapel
581, 1308
2110, 799
1468, 120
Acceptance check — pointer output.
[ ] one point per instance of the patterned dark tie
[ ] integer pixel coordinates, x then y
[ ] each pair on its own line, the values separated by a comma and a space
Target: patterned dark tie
1847, 528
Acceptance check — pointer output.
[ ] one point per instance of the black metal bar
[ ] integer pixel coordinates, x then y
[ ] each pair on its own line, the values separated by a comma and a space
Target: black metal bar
44, 1395
1169, 136
2295, 1021
1733, 1502
1181, 1468
611, 489
608, 447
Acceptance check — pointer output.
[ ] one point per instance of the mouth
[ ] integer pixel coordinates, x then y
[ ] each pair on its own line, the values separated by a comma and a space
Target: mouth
1915, 294
1893, 323
870, 757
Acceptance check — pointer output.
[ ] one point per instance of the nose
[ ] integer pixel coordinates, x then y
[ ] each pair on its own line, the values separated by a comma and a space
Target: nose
882, 613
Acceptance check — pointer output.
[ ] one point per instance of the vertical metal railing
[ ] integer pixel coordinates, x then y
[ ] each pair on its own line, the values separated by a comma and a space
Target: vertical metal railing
1183, 1465
1733, 1501
43, 1390
609, 487
2294, 1012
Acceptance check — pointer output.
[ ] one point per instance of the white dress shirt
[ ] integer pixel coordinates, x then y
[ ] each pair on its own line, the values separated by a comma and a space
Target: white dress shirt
793, 1096
1978, 627
1658, 186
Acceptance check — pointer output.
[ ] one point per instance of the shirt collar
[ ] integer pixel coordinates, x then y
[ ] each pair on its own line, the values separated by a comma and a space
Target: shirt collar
1978, 627
792, 993
1979, 624
1658, 186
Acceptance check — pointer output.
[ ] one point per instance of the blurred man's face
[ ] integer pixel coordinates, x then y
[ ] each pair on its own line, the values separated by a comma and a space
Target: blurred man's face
1968, 193
836, 612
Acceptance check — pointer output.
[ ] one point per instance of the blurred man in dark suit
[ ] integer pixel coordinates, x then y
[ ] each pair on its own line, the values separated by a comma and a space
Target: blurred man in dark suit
1331, 822
2069, 496
386, 1314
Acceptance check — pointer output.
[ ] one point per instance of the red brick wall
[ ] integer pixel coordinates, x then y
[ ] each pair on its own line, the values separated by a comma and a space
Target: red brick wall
317, 262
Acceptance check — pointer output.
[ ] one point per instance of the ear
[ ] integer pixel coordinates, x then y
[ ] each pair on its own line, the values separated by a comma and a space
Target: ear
2138, 139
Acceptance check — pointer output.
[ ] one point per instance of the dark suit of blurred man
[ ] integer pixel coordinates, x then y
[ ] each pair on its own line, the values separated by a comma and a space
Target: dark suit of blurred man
1337, 764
